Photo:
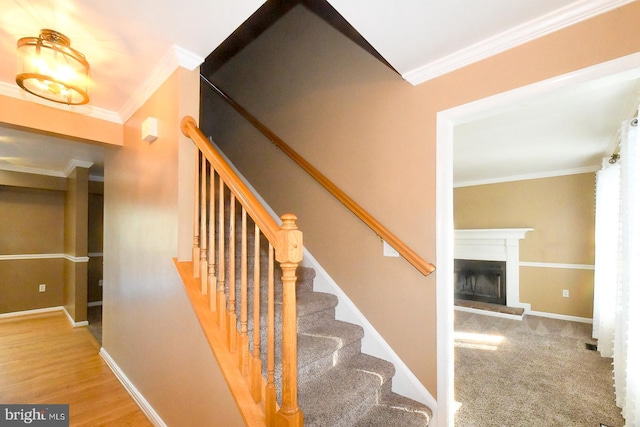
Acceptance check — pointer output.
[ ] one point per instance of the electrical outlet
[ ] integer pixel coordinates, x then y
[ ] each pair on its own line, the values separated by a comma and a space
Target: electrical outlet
100, 282
565, 293
42, 287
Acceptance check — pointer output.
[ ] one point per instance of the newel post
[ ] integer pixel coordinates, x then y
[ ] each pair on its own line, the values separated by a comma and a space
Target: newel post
289, 251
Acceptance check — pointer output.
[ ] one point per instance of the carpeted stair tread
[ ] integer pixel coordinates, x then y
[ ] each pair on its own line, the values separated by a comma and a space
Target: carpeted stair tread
312, 302
345, 393
341, 332
323, 347
396, 410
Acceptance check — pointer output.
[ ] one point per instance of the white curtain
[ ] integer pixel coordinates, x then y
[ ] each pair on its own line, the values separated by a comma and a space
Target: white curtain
617, 299
605, 291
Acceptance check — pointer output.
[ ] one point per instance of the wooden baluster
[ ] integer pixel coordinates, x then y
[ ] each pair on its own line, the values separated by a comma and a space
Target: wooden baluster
222, 313
256, 363
195, 256
244, 300
270, 391
211, 279
203, 228
289, 254
231, 309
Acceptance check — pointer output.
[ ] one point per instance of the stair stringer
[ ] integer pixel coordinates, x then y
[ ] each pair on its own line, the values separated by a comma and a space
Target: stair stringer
404, 383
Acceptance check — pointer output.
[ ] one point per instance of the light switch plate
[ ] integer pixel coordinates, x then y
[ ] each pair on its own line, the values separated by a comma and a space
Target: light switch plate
387, 250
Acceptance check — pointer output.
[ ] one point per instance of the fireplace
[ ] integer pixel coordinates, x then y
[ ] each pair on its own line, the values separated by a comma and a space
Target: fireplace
492, 245
480, 280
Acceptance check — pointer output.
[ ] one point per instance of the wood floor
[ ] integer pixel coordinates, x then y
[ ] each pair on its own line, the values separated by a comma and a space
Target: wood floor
43, 360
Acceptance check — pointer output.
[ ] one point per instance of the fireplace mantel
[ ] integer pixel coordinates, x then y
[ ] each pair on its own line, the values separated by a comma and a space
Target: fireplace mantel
495, 244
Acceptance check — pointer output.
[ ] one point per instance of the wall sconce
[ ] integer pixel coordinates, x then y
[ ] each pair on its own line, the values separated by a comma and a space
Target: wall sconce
150, 129
50, 68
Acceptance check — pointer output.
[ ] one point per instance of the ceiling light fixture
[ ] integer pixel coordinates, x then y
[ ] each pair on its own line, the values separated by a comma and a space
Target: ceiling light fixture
50, 68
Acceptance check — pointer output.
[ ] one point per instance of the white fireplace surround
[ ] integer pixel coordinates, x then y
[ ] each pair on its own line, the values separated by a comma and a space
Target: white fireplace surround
495, 244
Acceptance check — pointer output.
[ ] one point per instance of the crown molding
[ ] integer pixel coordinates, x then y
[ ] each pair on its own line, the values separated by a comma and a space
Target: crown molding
36, 171
13, 91
74, 163
537, 175
554, 21
175, 57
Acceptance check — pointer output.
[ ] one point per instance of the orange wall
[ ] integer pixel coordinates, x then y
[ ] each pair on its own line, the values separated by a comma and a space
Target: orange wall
374, 135
561, 212
32, 223
36, 117
150, 329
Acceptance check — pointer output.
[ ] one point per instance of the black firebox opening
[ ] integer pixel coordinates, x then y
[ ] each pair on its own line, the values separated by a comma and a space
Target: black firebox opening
483, 281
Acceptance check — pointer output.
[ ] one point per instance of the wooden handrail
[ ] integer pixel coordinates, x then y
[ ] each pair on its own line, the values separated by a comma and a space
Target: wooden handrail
285, 242
405, 251
257, 212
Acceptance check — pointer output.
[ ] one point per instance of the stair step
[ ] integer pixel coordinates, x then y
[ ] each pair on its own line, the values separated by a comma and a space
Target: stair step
345, 393
396, 410
323, 347
314, 308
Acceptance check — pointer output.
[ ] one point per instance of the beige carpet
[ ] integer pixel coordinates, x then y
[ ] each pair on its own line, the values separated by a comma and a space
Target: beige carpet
534, 372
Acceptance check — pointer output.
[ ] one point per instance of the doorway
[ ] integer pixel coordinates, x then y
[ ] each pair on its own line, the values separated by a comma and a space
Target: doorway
626, 67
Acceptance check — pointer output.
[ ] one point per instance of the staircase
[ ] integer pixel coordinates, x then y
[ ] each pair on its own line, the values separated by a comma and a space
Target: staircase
286, 358
338, 384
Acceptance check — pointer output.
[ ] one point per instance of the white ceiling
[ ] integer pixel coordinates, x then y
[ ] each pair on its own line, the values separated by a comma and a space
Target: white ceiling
130, 44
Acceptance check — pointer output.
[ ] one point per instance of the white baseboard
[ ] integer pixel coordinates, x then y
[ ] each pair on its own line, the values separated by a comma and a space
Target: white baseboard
405, 382
73, 322
488, 313
560, 316
132, 390
30, 312
44, 310
94, 304
526, 312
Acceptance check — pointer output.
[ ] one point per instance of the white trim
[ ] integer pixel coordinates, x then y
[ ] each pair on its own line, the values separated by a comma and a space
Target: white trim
95, 254
74, 163
404, 381
488, 313
445, 121
72, 320
557, 265
94, 304
45, 310
36, 171
43, 256
51, 172
495, 244
76, 258
148, 410
523, 177
524, 33
30, 312
187, 59
13, 91
444, 415
175, 57
560, 316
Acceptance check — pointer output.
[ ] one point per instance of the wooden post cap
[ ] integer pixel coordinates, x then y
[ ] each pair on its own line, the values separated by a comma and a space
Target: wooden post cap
289, 248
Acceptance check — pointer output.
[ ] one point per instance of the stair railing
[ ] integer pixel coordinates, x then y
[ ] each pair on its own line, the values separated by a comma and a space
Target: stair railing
218, 191
402, 248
